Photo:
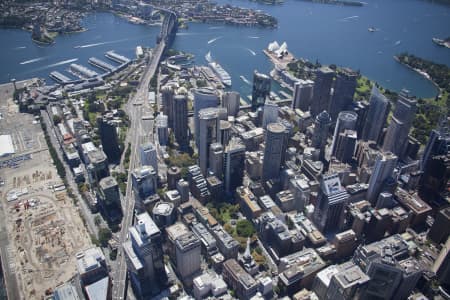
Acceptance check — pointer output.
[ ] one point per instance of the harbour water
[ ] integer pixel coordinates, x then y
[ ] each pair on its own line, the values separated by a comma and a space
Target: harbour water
328, 33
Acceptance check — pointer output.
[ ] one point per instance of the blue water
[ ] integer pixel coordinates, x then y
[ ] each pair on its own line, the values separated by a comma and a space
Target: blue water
21, 58
331, 34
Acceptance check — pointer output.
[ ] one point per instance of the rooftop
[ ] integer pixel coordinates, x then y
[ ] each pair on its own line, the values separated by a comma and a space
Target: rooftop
163, 208
89, 260
187, 241
239, 273
176, 230
108, 182
144, 229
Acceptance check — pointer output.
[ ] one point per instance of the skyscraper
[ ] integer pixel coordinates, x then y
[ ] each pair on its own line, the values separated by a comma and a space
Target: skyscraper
376, 116
188, 256
345, 146
321, 92
303, 92
162, 128
108, 136
109, 196
231, 101
144, 181
167, 95
438, 144
233, 165
274, 151
180, 120
331, 202
346, 121
148, 155
396, 137
203, 98
382, 171
321, 127
216, 159
270, 113
361, 108
393, 274
344, 90
209, 132
261, 89
144, 257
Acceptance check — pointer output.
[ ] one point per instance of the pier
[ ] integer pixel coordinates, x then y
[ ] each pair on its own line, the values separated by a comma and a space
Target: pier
60, 78
101, 64
117, 57
82, 71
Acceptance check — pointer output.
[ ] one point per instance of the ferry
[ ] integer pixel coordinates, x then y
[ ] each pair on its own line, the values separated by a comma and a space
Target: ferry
441, 42
208, 57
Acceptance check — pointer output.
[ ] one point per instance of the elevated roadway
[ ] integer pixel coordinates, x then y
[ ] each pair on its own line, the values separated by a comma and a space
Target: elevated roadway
137, 107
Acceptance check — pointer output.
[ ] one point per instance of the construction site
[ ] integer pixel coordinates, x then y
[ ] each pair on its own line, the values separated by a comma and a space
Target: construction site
41, 227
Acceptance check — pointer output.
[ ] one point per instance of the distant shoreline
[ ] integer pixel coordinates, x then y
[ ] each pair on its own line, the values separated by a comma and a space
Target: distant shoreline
338, 2
422, 73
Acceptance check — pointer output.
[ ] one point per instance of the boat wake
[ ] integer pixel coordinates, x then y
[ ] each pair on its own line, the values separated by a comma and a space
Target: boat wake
215, 27
30, 61
214, 39
397, 43
251, 51
21, 47
186, 33
63, 62
99, 44
253, 37
56, 64
349, 18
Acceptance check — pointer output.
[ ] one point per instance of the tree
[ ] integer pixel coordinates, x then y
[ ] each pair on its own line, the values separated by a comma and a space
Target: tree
113, 254
97, 220
244, 228
56, 119
104, 235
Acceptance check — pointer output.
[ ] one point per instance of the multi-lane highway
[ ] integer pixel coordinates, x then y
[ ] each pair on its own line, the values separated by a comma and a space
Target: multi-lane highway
137, 106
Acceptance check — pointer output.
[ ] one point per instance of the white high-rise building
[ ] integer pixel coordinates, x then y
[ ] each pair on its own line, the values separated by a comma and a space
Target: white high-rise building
382, 171
208, 133
303, 92
144, 257
148, 156
203, 98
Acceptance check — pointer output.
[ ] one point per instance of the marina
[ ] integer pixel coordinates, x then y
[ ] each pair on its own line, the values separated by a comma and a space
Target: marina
85, 74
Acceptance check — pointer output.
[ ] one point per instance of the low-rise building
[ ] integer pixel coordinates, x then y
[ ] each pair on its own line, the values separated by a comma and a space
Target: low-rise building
236, 277
228, 246
299, 270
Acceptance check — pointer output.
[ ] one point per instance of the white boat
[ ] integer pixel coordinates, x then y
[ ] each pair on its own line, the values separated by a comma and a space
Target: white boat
208, 57
221, 73
245, 79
